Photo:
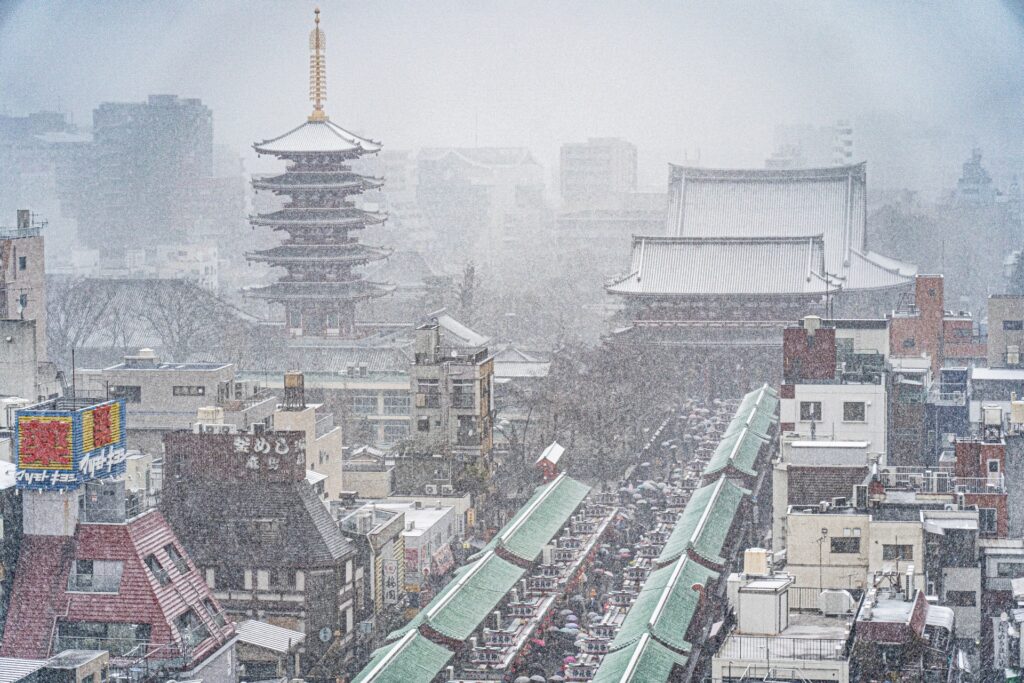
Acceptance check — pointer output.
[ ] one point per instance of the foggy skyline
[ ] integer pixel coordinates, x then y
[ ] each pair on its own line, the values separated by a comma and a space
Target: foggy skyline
673, 79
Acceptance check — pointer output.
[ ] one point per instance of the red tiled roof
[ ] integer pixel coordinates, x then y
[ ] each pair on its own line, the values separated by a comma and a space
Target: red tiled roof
140, 599
37, 596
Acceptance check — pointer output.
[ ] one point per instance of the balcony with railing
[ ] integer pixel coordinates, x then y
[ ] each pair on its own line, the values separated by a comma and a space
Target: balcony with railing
947, 394
938, 481
324, 424
241, 404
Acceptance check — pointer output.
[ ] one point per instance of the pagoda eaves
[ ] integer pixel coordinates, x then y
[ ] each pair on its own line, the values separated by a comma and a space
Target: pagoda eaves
320, 290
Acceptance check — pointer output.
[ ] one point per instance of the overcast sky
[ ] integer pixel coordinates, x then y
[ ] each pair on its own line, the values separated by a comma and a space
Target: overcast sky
673, 77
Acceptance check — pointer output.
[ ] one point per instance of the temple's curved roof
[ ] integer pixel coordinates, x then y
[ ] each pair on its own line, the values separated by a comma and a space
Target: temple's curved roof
300, 217
323, 290
352, 252
317, 137
745, 231
317, 180
674, 266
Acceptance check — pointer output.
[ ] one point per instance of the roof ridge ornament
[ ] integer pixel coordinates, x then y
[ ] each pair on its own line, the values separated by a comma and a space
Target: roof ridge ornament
317, 69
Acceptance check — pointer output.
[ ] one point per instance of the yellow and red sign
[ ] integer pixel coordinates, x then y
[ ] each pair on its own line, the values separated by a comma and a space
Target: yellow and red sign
45, 443
59, 446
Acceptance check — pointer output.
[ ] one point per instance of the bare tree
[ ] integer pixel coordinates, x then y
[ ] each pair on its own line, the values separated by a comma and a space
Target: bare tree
187, 319
75, 309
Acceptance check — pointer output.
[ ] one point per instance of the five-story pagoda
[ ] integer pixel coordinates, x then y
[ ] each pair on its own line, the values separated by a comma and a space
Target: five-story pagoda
320, 291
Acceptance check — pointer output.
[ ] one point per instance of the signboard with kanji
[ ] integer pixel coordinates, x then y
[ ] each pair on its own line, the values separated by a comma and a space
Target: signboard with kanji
270, 456
58, 449
390, 582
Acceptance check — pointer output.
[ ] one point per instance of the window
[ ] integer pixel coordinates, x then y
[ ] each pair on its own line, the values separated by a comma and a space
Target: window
177, 558
961, 598
468, 434
431, 391
189, 391
23, 301
854, 411
22, 262
281, 578
230, 578
1013, 325
1010, 570
95, 576
810, 411
215, 614
363, 404
131, 394
423, 424
987, 520
265, 530
845, 544
396, 403
191, 629
395, 432
294, 318
158, 570
898, 552
118, 638
462, 393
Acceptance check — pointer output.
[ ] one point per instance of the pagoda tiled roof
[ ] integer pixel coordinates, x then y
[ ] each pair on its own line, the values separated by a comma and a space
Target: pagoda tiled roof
352, 252
317, 137
317, 180
319, 217
352, 289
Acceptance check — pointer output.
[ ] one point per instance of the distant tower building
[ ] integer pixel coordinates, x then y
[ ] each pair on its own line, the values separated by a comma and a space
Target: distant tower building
597, 171
320, 290
842, 143
149, 160
975, 188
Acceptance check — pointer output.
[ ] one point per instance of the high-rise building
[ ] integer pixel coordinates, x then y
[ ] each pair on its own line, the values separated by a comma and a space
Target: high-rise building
320, 291
806, 146
149, 158
597, 171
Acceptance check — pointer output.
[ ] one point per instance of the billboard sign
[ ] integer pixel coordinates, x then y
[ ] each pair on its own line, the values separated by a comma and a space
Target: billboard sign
390, 582
58, 449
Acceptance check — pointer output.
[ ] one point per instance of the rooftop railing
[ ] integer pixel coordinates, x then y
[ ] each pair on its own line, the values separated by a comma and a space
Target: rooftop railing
756, 648
324, 424
921, 480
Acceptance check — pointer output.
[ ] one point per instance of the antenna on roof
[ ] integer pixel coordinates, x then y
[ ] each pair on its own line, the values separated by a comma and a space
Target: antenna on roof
317, 69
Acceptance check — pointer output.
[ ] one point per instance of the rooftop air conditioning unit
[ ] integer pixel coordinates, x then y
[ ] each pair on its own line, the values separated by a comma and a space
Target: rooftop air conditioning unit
835, 602
447, 489
755, 562
430, 489
860, 496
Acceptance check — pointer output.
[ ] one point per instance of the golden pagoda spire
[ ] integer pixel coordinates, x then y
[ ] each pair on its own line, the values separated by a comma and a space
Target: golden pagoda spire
317, 70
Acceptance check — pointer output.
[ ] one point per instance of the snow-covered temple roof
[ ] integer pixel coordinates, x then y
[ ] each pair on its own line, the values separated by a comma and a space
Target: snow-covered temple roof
762, 231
